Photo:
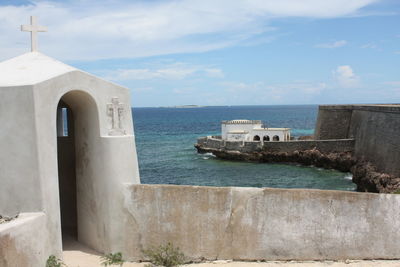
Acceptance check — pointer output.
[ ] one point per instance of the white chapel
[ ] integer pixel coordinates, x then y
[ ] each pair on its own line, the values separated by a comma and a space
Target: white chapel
67, 147
252, 130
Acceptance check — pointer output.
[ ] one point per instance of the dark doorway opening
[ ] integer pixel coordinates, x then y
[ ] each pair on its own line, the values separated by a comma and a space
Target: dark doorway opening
256, 138
67, 170
266, 138
275, 138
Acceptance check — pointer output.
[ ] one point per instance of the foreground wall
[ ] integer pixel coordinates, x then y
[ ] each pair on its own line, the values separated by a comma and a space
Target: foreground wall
256, 223
24, 241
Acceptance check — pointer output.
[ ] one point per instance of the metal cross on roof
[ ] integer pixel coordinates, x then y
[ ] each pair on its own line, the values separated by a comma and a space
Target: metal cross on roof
34, 28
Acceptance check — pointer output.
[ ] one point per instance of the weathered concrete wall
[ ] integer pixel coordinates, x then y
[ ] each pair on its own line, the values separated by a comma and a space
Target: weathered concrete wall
324, 146
375, 128
23, 241
256, 223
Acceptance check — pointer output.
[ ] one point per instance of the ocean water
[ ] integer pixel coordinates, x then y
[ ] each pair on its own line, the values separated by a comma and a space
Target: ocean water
165, 139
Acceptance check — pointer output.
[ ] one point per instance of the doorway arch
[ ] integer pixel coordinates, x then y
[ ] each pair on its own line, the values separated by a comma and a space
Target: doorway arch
275, 138
266, 138
77, 132
256, 138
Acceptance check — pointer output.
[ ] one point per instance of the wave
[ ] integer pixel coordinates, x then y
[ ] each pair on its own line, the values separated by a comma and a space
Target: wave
208, 155
348, 177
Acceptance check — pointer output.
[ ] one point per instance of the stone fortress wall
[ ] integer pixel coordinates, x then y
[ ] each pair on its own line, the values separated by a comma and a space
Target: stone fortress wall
376, 129
361, 139
324, 146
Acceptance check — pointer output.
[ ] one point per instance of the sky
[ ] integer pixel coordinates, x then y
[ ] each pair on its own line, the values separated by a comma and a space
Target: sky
221, 52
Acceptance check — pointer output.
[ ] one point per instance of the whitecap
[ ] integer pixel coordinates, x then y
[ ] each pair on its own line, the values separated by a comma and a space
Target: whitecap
348, 177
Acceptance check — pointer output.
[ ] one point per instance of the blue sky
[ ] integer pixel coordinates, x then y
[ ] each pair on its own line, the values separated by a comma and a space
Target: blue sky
243, 52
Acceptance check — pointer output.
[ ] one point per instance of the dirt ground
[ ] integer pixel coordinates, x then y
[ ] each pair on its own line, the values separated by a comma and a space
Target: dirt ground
77, 255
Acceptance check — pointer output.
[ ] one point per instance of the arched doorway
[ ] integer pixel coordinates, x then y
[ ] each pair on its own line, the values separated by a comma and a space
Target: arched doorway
266, 138
275, 138
66, 169
256, 138
77, 134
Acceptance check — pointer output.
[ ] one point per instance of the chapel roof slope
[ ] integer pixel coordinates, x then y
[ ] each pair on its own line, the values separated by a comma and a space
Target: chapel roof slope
31, 68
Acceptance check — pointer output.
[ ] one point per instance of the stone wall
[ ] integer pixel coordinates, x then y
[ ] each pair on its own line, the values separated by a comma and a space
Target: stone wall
333, 122
263, 223
324, 146
375, 128
378, 137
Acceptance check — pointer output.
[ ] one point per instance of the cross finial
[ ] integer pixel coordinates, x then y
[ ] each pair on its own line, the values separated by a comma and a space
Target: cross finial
34, 28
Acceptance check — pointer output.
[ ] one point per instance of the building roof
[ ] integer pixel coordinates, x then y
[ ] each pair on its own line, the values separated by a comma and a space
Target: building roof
31, 68
242, 122
271, 129
238, 132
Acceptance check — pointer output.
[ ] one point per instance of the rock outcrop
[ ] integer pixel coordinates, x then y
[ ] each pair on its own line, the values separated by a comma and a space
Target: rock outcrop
342, 161
368, 179
365, 175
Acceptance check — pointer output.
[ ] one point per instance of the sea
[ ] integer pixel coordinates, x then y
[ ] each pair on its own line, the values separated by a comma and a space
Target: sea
165, 139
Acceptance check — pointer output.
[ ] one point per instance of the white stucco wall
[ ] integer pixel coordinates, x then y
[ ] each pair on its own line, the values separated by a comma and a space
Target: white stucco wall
242, 131
225, 128
24, 241
282, 133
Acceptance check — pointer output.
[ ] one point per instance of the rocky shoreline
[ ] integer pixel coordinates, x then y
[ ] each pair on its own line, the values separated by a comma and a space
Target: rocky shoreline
368, 179
365, 175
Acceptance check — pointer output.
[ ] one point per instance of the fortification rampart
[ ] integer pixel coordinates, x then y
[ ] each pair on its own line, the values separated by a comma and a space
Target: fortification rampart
324, 146
375, 128
263, 223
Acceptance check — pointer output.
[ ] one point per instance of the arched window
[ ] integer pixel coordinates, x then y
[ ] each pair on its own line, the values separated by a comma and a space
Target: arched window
275, 138
256, 138
266, 138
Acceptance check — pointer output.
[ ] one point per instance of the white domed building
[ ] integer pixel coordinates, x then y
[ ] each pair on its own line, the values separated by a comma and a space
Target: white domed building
252, 130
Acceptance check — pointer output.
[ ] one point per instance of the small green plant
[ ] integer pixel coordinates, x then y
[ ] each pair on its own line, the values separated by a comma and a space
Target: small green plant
397, 191
165, 255
112, 259
53, 261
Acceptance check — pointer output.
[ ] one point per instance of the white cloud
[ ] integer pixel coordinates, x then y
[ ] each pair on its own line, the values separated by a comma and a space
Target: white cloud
369, 45
345, 77
110, 29
335, 44
393, 83
214, 73
187, 90
261, 93
174, 71
142, 89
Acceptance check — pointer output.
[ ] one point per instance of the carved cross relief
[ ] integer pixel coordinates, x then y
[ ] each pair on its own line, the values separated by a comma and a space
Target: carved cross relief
116, 110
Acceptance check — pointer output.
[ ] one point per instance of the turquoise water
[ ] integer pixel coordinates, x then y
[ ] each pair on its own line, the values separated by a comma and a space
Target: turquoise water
165, 139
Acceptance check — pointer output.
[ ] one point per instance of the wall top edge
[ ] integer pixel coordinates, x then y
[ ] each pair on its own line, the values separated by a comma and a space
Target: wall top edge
377, 107
264, 190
